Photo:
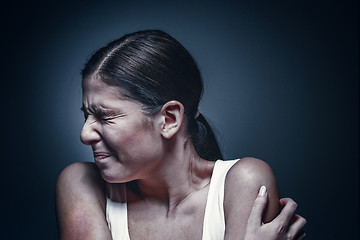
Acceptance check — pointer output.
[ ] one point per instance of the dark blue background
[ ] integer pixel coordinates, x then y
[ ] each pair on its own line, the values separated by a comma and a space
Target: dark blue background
281, 84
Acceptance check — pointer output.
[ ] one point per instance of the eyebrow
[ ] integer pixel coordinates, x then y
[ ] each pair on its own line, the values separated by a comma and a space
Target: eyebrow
98, 110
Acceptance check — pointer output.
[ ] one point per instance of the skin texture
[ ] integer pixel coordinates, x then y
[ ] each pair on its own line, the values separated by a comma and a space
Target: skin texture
287, 225
170, 182
125, 145
243, 182
81, 209
80, 203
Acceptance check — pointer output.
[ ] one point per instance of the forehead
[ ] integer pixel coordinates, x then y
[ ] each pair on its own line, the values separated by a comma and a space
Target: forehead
97, 92
96, 84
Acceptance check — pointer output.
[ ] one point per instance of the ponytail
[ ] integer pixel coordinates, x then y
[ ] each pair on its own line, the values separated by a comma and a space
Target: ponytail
204, 139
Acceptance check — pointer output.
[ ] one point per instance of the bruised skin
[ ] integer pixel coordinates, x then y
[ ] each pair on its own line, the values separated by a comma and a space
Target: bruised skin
242, 185
172, 180
81, 204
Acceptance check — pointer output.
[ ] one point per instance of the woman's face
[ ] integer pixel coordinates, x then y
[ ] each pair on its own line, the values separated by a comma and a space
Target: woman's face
126, 143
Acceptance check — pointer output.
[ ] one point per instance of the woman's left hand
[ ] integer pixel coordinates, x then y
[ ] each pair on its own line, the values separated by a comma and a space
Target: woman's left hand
287, 225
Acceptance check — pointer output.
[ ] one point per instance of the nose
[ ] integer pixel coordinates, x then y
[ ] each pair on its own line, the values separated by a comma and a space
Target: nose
89, 133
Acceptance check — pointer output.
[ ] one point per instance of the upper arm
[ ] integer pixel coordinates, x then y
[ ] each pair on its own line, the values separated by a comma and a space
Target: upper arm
80, 203
242, 185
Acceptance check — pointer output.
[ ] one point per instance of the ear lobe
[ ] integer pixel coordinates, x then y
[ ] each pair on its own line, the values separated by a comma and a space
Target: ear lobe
172, 115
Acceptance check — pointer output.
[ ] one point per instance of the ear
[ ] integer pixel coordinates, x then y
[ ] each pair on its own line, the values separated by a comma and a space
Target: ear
172, 117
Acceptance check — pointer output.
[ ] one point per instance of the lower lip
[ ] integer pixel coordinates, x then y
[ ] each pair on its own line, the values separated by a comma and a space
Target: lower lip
101, 158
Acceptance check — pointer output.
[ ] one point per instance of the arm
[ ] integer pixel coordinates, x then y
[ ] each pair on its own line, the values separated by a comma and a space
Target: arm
287, 225
241, 188
80, 203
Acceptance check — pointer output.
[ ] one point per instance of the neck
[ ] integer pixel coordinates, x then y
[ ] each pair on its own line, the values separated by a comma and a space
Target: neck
181, 173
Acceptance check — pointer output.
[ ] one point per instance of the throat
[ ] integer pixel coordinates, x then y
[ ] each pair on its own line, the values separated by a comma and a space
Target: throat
152, 219
175, 189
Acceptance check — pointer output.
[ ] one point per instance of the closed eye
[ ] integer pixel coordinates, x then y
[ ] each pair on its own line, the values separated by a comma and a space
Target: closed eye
107, 116
104, 116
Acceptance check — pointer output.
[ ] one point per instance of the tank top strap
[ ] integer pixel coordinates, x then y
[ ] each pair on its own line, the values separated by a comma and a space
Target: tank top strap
214, 218
117, 219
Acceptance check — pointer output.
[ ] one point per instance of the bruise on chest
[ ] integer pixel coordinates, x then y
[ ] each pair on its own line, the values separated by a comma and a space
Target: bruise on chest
151, 221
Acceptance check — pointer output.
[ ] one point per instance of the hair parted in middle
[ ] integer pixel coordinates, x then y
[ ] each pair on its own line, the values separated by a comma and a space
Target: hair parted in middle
153, 68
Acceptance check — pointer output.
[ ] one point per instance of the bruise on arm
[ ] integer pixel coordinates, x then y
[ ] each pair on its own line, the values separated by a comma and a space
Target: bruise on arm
80, 203
242, 185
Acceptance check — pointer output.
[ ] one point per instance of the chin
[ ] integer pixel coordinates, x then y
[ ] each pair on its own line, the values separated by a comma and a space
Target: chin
110, 178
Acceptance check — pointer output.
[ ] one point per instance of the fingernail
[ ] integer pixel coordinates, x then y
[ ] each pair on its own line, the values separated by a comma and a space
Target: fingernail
262, 191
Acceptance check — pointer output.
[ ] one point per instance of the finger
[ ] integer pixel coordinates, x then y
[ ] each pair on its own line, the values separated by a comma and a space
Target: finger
258, 208
297, 227
286, 214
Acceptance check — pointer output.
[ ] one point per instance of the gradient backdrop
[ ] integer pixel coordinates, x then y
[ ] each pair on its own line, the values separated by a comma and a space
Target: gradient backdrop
281, 84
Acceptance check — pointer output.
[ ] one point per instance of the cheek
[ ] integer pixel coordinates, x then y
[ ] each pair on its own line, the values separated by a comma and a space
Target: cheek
144, 143
116, 138
132, 139
143, 147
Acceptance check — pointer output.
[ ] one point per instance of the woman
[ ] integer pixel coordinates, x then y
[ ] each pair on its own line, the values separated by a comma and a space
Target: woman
156, 173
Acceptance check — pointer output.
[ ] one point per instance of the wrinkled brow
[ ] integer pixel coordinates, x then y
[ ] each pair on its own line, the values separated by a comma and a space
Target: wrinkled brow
99, 111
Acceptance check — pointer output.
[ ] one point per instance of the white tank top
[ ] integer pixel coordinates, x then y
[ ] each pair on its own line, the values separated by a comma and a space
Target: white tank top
214, 219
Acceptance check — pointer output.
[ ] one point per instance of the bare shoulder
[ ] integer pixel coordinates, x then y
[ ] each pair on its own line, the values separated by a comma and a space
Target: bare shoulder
79, 176
251, 171
244, 180
242, 185
80, 203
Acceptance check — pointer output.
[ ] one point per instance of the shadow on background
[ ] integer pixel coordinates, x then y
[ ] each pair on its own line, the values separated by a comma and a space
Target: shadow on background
281, 84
